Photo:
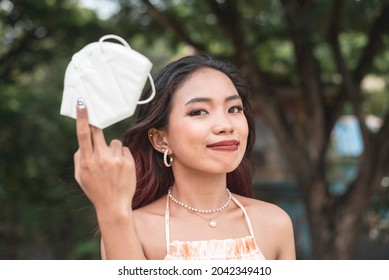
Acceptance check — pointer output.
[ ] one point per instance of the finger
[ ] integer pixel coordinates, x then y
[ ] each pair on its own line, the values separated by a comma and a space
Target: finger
98, 139
83, 129
77, 166
116, 147
127, 153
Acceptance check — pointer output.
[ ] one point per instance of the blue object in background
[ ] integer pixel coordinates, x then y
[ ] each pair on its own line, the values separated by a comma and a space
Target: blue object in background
348, 137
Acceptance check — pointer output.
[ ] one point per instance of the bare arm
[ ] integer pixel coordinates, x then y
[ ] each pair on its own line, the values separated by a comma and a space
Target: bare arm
107, 176
286, 237
102, 250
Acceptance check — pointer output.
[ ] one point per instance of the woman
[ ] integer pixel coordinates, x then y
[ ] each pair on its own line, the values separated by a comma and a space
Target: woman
180, 185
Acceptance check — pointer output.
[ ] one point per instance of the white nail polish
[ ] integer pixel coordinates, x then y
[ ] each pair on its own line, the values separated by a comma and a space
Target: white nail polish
80, 103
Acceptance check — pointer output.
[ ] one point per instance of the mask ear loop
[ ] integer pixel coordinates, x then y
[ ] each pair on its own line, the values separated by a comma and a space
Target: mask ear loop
152, 92
112, 36
121, 40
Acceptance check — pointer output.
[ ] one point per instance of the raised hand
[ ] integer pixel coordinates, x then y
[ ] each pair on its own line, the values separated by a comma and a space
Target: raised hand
105, 173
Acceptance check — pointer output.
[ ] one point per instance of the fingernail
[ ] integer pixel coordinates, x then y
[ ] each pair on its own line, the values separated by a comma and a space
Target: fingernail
80, 103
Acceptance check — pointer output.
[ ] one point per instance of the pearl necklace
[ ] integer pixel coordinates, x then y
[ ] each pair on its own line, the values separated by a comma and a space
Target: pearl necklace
199, 210
212, 222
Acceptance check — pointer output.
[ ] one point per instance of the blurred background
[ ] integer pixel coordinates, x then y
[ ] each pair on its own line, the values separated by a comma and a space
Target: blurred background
318, 73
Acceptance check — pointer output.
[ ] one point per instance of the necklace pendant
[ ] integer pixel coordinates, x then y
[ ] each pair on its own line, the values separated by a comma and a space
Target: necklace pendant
212, 223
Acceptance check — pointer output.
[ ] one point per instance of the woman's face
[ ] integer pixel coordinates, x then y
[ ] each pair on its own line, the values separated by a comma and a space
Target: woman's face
207, 127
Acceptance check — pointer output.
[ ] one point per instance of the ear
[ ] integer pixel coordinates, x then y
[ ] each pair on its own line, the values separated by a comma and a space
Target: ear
158, 139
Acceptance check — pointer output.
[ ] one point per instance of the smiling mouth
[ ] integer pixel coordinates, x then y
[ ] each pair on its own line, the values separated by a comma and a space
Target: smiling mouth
230, 145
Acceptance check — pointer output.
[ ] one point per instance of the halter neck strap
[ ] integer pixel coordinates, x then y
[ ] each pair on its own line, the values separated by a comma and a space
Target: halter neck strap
236, 201
167, 224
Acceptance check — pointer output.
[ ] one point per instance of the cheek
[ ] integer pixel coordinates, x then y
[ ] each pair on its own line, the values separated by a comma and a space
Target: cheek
244, 133
185, 135
242, 125
189, 137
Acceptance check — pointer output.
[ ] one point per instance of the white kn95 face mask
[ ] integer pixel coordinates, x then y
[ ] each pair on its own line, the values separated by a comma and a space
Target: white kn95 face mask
110, 78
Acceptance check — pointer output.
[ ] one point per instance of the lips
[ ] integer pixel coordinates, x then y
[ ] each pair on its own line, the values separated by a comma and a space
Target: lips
227, 145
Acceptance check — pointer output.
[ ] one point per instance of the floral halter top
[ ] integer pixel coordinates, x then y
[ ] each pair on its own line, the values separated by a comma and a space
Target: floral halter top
244, 248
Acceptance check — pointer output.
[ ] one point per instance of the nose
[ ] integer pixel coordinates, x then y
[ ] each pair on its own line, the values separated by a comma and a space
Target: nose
223, 125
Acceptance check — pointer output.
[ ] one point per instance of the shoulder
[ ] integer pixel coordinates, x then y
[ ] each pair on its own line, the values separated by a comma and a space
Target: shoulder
150, 222
272, 227
264, 211
150, 213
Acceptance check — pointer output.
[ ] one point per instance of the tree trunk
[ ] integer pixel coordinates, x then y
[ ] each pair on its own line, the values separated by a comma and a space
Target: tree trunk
335, 237
333, 223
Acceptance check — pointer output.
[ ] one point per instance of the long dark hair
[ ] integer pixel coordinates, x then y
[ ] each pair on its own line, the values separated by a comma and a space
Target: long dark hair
153, 178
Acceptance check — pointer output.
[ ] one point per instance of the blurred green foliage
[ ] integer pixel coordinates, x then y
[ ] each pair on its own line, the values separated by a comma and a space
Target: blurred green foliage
45, 215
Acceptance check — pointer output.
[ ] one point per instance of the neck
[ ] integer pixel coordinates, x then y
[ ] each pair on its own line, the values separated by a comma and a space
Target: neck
202, 191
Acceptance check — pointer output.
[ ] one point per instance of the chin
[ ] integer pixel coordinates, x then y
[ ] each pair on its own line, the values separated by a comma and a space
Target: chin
218, 166
222, 169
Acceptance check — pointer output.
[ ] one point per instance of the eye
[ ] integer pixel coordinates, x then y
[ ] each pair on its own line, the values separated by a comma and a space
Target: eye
198, 112
235, 109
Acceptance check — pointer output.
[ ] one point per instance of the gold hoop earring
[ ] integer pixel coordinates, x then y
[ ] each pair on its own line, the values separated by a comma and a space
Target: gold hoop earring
165, 158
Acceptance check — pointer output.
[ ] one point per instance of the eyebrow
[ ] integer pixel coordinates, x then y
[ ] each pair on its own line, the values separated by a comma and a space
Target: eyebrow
206, 99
